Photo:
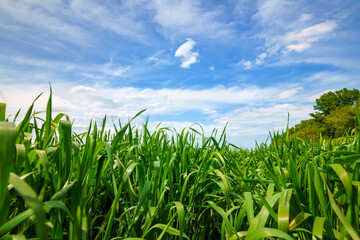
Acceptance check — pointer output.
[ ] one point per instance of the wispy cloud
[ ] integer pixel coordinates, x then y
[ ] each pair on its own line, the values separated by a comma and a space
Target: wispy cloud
260, 58
333, 78
250, 121
306, 17
299, 41
294, 41
275, 14
56, 23
119, 18
248, 107
245, 64
289, 93
285, 29
46, 20
186, 53
106, 69
187, 17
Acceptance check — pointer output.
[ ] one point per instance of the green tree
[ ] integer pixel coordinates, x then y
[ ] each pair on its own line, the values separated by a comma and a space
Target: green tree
332, 100
336, 113
341, 119
308, 129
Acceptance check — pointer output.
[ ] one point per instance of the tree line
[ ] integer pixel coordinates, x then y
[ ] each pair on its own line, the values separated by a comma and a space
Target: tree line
334, 116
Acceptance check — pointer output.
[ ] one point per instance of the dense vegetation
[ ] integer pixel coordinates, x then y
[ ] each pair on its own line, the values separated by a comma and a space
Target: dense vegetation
137, 184
335, 115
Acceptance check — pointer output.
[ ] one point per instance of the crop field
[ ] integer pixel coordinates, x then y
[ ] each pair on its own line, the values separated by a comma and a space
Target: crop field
133, 183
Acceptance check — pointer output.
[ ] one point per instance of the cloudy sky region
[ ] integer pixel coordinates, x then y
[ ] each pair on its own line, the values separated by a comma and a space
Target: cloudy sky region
247, 63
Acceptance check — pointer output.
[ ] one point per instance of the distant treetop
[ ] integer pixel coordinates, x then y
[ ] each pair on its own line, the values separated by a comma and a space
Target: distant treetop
331, 100
335, 115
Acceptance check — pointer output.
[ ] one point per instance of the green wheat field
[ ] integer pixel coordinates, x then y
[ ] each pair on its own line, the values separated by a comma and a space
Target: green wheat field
133, 183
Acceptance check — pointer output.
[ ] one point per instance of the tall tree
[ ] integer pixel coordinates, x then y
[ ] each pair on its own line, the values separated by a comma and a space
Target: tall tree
335, 114
332, 100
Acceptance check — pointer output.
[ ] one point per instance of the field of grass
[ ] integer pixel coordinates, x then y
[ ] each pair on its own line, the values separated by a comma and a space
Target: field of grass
135, 184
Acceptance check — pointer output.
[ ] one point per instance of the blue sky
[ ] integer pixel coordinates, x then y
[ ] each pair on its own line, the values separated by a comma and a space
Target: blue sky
247, 63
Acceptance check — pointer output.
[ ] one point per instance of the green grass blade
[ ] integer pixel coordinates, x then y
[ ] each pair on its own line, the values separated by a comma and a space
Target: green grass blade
143, 196
2, 112
138, 114
223, 214
262, 217
319, 189
7, 159
59, 205
25, 122
43, 159
66, 147
115, 203
318, 228
30, 196
181, 216
266, 233
168, 229
249, 206
342, 218
20, 157
12, 223
301, 217
63, 192
48, 121
344, 178
237, 235
284, 210
226, 186
131, 238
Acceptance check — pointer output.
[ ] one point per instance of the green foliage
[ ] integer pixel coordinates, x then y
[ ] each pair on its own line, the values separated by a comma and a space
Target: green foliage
341, 119
308, 130
138, 184
332, 100
335, 116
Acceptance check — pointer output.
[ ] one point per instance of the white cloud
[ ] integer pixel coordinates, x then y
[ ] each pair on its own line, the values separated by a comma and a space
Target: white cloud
187, 17
289, 93
185, 52
299, 41
306, 17
260, 59
208, 111
116, 18
286, 26
275, 13
312, 33
106, 69
245, 64
44, 20
292, 41
111, 69
334, 78
73, 21
125, 101
317, 56
211, 68
161, 58
299, 47
54, 24
152, 58
251, 121
252, 111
